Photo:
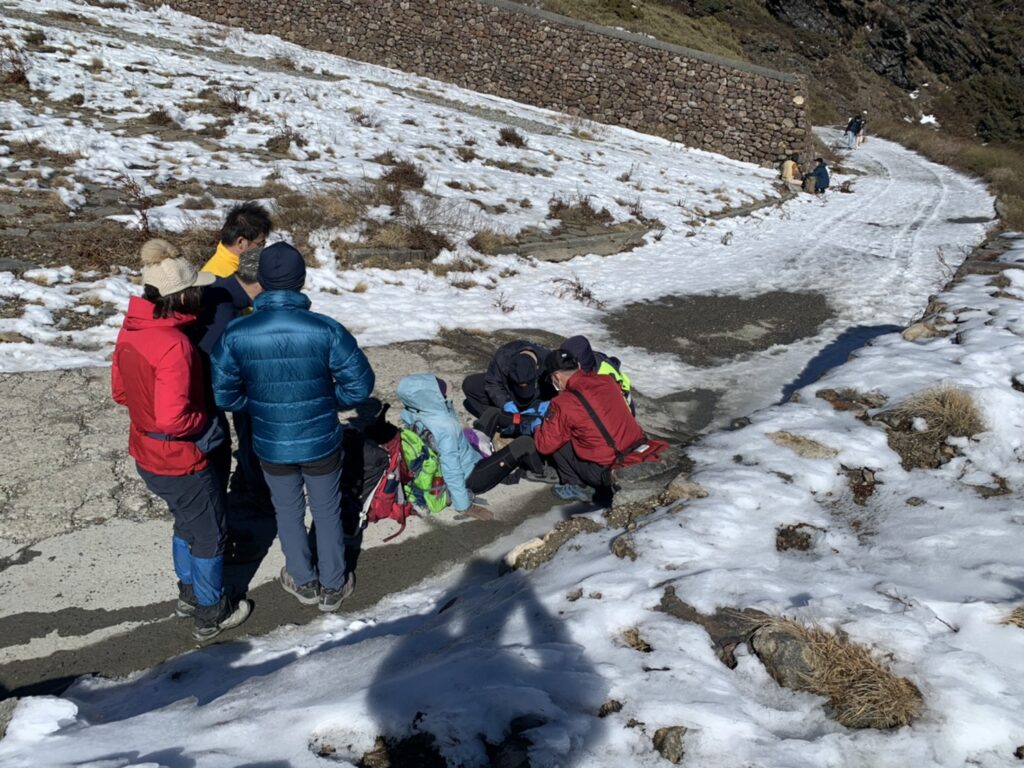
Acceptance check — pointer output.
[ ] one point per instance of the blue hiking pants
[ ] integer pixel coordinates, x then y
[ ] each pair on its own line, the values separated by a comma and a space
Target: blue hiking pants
290, 484
198, 505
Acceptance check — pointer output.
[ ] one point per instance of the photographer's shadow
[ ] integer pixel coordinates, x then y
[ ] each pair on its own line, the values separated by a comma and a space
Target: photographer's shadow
491, 678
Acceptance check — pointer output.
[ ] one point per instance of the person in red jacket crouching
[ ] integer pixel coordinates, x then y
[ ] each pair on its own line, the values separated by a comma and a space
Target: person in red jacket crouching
157, 373
588, 430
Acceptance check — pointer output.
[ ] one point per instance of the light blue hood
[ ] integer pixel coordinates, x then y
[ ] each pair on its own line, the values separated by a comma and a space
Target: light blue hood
426, 408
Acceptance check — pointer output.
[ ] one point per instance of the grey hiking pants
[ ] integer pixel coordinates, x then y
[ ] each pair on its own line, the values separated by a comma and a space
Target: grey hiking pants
290, 484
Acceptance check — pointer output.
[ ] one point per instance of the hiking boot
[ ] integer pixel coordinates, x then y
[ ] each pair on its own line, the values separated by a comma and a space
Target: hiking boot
186, 605
331, 599
547, 476
307, 594
567, 492
230, 619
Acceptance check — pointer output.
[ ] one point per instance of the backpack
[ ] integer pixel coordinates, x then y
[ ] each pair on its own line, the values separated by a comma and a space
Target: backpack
425, 486
373, 472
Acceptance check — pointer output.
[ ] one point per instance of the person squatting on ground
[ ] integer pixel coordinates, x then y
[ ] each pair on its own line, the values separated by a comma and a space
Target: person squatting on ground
600, 363
587, 430
466, 472
819, 176
791, 175
158, 374
246, 228
292, 370
511, 396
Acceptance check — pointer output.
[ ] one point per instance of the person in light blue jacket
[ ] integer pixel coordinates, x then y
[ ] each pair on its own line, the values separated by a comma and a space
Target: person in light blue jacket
465, 471
291, 371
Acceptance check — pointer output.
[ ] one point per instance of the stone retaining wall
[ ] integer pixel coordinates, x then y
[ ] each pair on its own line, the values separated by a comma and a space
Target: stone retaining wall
532, 56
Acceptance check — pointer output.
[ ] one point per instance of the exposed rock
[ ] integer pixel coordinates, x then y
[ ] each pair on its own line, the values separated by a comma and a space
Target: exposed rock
12, 337
858, 403
796, 536
623, 547
575, 595
669, 742
7, 712
684, 488
782, 654
802, 446
610, 707
535, 552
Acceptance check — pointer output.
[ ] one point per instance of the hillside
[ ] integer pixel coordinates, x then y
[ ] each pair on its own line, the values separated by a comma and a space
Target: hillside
962, 61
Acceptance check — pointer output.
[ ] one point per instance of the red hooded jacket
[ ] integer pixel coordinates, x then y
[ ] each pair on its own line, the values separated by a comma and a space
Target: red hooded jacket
568, 421
158, 374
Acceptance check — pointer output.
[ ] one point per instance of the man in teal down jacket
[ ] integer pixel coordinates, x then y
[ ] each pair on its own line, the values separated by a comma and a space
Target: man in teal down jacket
291, 370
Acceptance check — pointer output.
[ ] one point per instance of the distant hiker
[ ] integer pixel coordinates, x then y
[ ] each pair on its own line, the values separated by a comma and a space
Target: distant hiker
820, 177
245, 229
598, 362
158, 374
512, 395
791, 173
853, 129
222, 301
863, 132
465, 470
291, 370
587, 430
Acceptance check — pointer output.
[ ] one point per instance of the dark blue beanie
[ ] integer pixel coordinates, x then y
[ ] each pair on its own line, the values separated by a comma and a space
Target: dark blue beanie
282, 268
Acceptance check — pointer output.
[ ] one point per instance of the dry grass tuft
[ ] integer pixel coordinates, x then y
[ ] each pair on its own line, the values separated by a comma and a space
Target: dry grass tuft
14, 65
948, 411
281, 143
1016, 617
404, 175
515, 167
577, 211
491, 242
574, 287
862, 691
510, 137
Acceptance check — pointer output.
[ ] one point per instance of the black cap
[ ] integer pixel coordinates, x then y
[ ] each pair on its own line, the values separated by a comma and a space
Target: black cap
282, 268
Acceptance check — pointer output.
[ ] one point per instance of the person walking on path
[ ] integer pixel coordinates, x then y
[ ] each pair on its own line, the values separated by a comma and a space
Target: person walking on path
292, 370
158, 374
245, 229
587, 430
853, 129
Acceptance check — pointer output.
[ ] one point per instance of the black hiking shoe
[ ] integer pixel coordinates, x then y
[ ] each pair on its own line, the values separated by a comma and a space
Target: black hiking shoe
548, 476
206, 629
307, 594
331, 599
185, 608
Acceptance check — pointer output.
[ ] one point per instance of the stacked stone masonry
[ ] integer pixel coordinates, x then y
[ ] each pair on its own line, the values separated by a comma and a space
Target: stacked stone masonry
520, 53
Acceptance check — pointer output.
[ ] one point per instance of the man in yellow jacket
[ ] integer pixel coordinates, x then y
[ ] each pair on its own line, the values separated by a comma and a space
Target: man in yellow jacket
245, 229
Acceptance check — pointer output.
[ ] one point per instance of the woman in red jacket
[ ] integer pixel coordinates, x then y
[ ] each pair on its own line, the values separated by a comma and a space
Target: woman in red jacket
157, 373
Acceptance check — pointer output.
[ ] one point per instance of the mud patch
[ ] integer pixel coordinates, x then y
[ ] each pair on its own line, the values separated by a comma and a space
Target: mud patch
705, 330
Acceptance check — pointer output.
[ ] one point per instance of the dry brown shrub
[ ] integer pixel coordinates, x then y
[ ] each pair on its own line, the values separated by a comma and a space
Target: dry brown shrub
491, 242
510, 137
515, 167
385, 158
405, 175
862, 691
466, 154
947, 410
360, 287
14, 65
577, 211
403, 235
1016, 617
